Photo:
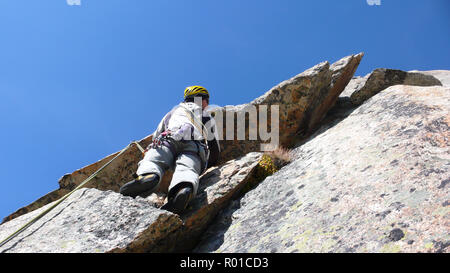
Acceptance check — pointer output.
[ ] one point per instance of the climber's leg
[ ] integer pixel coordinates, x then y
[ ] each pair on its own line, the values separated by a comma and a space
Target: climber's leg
184, 184
145, 183
150, 171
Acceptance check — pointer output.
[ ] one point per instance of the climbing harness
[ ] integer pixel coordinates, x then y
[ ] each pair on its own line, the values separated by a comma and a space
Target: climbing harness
160, 140
67, 195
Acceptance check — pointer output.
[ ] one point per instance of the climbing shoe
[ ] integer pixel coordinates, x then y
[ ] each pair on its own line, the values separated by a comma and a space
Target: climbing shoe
178, 202
143, 184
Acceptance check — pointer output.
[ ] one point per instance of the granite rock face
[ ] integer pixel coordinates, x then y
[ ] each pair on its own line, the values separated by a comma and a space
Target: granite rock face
382, 78
377, 181
303, 102
368, 174
91, 220
94, 221
217, 189
442, 75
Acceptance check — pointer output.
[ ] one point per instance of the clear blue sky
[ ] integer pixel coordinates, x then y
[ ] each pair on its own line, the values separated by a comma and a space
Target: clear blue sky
78, 83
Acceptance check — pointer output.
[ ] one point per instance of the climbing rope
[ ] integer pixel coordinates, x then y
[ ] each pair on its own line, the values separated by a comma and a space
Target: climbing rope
67, 195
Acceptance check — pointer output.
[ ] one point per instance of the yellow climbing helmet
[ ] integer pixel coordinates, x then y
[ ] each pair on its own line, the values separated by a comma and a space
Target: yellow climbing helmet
195, 90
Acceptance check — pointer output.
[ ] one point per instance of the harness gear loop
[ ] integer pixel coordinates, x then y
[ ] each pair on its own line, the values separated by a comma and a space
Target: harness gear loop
160, 140
17, 232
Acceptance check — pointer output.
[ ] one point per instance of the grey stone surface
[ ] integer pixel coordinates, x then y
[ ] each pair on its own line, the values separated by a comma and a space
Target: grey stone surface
217, 189
382, 78
377, 181
303, 102
372, 178
442, 75
92, 221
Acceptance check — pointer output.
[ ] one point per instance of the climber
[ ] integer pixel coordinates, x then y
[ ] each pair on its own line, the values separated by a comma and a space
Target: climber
186, 140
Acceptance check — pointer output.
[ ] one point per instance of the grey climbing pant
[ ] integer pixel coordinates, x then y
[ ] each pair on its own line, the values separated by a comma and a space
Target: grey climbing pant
185, 157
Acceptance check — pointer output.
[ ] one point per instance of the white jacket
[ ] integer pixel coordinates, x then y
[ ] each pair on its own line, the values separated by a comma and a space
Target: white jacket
185, 121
